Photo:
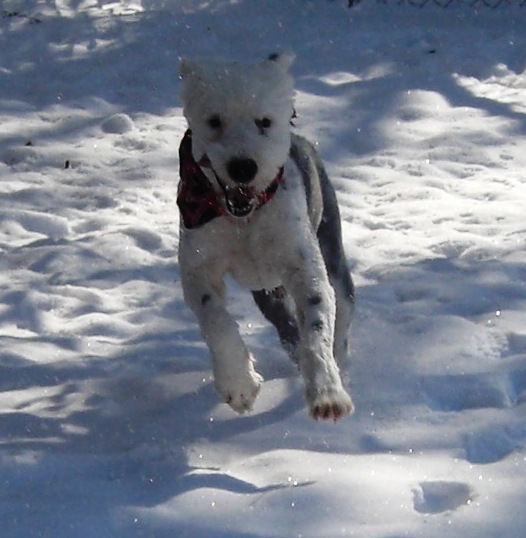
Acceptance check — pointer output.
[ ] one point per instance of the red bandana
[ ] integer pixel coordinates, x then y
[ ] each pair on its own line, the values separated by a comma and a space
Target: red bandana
197, 200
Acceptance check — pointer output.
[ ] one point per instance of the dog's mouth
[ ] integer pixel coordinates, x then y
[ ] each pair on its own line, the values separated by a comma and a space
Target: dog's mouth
240, 201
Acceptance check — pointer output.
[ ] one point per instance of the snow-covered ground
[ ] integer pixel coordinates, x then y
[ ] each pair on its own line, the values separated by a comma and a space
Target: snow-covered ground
109, 424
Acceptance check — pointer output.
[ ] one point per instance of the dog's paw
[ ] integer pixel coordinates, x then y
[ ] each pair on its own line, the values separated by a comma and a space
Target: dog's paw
240, 393
330, 404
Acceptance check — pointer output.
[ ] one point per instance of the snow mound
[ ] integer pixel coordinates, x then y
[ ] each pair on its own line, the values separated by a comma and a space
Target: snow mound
117, 124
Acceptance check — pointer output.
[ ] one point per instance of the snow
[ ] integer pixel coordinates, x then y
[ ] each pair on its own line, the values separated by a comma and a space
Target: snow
109, 423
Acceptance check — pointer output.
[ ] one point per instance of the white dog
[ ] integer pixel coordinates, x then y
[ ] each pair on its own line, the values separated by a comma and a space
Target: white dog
255, 202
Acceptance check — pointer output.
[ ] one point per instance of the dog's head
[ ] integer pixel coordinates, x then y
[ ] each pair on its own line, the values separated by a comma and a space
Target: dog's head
239, 115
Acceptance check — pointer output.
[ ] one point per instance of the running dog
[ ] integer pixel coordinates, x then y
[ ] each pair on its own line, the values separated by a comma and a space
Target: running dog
255, 201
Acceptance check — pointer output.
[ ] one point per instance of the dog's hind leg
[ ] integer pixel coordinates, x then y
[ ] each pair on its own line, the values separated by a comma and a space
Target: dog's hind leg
277, 307
325, 218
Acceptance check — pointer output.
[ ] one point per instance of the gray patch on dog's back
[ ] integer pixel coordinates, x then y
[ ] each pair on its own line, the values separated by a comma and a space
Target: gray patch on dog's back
302, 152
323, 211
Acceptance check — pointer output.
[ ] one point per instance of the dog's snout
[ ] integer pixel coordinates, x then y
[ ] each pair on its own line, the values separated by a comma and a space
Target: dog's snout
242, 170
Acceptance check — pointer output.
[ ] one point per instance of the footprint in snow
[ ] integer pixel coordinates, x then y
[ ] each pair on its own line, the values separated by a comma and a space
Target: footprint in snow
470, 391
500, 390
438, 497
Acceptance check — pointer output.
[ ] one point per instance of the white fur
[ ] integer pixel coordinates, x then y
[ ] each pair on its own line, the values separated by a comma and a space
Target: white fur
274, 246
239, 94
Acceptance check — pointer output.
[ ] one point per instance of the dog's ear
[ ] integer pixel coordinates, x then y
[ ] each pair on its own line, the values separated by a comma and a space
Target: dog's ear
283, 59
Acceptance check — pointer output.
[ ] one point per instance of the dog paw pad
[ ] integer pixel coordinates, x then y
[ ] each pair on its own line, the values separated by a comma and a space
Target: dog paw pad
331, 406
241, 397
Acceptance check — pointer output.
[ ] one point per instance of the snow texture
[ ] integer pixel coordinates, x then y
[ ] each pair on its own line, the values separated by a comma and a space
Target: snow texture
109, 424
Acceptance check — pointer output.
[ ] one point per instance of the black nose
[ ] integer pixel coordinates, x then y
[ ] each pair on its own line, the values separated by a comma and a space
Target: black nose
242, 170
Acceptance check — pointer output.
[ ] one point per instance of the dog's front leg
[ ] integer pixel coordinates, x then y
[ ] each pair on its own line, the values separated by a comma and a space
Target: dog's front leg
309, 285
236, 380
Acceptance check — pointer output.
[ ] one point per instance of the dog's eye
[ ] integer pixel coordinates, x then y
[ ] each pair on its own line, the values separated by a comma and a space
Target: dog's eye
214, 122
263, 124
